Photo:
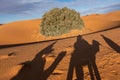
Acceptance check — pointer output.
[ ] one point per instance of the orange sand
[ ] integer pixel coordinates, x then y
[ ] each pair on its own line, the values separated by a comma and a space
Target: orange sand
28, 30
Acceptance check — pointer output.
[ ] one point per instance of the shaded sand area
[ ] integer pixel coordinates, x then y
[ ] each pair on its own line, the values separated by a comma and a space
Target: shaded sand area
29, 30
95, 55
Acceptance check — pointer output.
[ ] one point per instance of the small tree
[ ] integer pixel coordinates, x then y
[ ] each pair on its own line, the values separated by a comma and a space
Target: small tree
60, 21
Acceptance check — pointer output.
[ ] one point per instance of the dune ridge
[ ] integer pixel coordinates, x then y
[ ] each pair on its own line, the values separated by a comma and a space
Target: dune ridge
55, 58
28, 30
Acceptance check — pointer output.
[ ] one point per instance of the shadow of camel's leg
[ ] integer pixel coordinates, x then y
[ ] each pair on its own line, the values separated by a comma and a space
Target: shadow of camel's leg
91, 71
48, 71
79, 72
70, 70
97, 75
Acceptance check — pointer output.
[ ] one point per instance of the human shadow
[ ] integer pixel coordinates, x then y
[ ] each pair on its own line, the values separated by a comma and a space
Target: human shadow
34, 69
111, 43
84, 55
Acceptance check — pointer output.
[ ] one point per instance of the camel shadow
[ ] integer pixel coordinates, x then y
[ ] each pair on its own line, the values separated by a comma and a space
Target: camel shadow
112, 44
84, 55
34, 69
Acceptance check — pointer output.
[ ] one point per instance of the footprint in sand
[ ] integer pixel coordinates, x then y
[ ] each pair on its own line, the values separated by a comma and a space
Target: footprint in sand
57, 72
7, 56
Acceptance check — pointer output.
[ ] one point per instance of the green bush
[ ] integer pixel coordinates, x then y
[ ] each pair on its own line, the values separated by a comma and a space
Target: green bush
60, 21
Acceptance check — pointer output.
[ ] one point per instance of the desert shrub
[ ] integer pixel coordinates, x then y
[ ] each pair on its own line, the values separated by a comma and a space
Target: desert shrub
60, 21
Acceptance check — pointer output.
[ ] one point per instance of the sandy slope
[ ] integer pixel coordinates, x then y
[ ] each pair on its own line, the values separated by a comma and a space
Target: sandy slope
54, 60
18, 32
102, 21
27, 62
28, 31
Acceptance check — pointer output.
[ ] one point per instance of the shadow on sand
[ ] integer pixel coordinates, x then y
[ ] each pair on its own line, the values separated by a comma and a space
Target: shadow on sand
112, 44
34, 70
84, 55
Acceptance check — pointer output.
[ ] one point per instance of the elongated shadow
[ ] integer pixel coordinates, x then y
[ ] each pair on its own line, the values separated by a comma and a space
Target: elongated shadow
112, 44
84, 55
34, 69
94, 73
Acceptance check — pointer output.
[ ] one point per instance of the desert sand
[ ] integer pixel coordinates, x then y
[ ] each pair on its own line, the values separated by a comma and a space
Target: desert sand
98, 48
29, 30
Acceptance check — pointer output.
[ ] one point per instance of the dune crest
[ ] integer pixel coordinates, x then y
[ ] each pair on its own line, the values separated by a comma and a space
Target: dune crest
95, 56
28, 30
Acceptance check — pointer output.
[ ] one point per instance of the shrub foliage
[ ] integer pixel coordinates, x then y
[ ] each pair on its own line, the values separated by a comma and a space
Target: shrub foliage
60, 21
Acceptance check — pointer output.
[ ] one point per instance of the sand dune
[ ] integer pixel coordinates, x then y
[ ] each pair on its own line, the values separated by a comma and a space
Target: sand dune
19, 32
28, 30
96, 22
97, 58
